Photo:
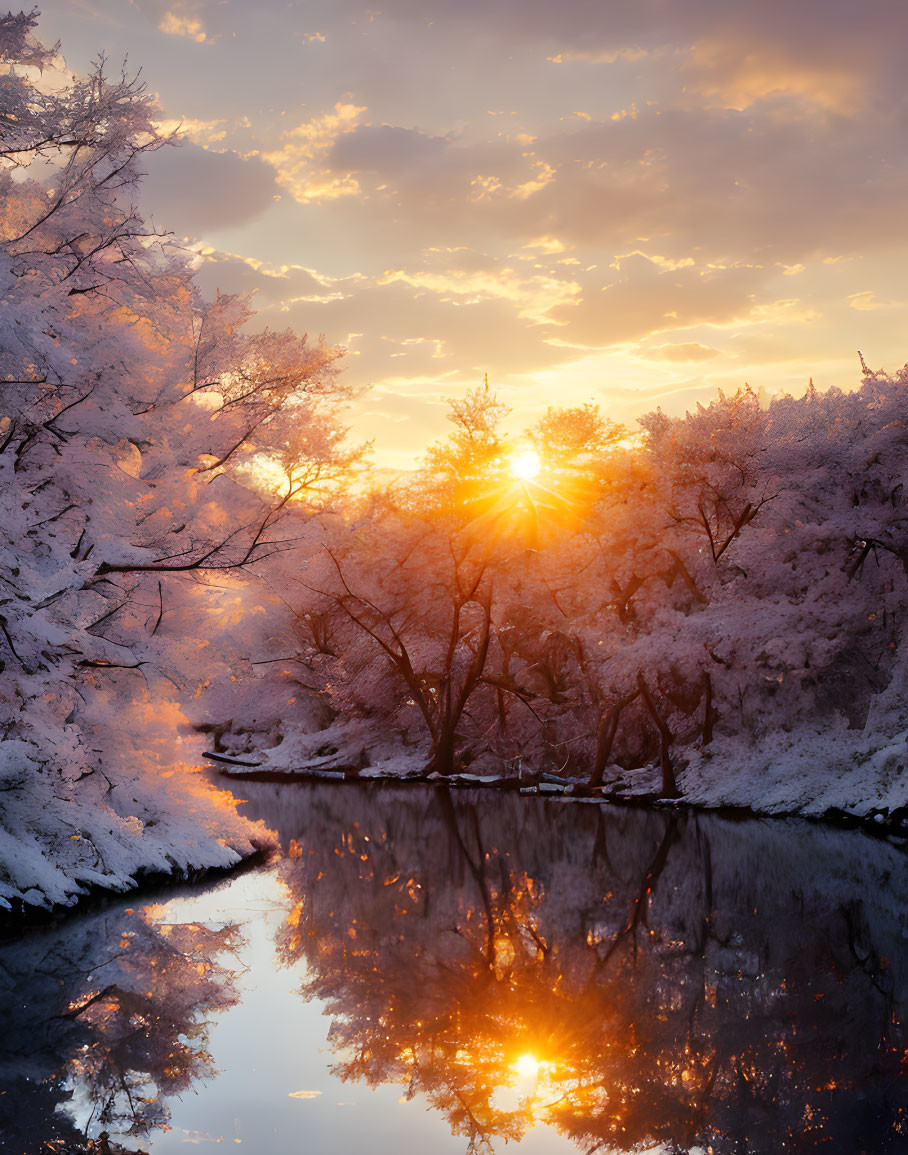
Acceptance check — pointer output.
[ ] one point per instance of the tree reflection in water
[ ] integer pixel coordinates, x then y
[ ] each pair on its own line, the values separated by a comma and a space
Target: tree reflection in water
627, 977
105, 1018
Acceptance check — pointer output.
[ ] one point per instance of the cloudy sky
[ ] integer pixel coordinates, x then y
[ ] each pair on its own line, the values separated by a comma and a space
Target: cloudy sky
634, 202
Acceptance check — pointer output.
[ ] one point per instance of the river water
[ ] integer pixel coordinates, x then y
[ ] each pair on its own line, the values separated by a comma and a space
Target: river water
425, 971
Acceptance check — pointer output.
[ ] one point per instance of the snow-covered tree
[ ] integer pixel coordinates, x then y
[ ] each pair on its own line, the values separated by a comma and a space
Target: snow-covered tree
138, 424
729, 591
413, 610
459, 472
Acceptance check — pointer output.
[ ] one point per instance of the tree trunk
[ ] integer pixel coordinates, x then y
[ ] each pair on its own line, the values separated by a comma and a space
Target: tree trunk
605, 738
708, 712
669, 786
442, 759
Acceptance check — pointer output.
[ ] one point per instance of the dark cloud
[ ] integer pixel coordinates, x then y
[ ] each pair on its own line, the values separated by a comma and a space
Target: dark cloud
812, 164
193, 190
813, 26
384, 149
718, 184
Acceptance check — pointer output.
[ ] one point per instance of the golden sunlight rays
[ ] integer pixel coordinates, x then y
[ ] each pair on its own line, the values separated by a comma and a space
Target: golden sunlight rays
526, 496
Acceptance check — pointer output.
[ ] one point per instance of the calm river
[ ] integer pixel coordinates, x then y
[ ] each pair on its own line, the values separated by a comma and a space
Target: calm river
430, 972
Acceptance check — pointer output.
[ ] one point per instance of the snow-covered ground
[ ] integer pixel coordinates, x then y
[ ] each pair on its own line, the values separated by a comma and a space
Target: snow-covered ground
811, 772
62, 840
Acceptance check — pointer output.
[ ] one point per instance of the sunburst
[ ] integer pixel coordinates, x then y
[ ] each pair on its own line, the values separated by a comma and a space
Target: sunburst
525, 465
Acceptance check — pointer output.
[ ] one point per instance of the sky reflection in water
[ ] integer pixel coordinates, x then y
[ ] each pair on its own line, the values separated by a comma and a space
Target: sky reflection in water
566, 976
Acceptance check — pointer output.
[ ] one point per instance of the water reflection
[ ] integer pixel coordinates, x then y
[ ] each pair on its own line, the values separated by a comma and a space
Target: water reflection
104, 1019
625, 977
620, 978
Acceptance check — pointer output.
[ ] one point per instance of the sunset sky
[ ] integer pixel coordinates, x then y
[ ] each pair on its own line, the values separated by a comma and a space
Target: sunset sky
634, 203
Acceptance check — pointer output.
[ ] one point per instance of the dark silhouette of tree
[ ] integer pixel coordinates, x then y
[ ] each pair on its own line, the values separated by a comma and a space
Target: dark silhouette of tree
115, 1008
672, 980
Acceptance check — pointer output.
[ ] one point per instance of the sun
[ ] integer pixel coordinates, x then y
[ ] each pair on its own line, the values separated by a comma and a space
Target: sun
527, 1066
525, 465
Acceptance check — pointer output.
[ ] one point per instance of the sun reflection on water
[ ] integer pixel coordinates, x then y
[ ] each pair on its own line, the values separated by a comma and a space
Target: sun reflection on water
527, 1066
485, 990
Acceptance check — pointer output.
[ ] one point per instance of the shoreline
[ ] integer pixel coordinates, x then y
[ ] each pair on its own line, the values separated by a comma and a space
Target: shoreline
878, 824
149, 885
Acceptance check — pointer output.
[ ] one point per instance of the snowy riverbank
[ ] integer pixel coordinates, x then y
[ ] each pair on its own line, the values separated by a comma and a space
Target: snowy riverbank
834, 773
61, 841
59, 846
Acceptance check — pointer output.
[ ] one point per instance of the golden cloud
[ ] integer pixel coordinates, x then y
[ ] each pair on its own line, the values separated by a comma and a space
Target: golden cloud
631, 55
202, 132
300, 162
545, 174
175, 23
667, 264
533, 296
686, 351
485, 187
784, 312
547, 245
867, 302
738, 77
